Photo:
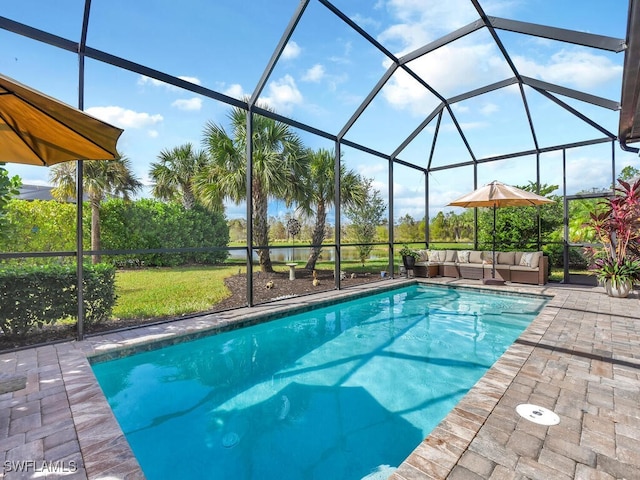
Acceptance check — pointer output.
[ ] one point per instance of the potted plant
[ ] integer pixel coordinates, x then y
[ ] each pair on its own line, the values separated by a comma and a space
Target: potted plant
617, 227
409, 256
617, 277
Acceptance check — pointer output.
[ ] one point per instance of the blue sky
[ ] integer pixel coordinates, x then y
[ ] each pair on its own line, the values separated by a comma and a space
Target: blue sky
325, 73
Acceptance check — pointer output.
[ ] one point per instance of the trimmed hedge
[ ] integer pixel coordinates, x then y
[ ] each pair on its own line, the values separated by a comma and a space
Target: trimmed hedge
34, 296
41, 226
151, 224
45, 226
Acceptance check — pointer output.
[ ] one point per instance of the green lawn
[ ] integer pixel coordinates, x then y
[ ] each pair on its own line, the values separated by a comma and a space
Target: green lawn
163, 292
171, 292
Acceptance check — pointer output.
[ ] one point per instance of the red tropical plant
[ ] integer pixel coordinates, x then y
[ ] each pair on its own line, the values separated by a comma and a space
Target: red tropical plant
617, 227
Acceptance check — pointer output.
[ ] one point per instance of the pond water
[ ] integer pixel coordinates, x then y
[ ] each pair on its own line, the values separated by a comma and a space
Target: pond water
301, 254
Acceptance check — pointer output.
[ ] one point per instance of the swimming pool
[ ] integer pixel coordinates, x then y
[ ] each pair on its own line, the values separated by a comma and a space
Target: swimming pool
346, 391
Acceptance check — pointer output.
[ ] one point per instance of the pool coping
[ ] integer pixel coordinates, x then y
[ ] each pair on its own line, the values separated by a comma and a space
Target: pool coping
63, 371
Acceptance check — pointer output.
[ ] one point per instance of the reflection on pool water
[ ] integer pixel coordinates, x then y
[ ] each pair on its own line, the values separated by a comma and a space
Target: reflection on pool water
345, 391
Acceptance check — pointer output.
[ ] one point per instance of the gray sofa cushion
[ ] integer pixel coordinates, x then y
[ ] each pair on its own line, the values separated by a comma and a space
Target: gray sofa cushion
475, 256
506, 258
450, 256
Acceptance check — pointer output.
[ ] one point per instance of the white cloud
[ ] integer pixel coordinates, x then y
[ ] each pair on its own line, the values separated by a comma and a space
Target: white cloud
345, 57
412, 205
188, 104
314, 74
348, 48
584, 172
124, 118
35, 181
577, 68
489, 108
235, 91
421, 21
283, 94
365, 21
449, 126
381, 186
408, 36
452, 67
333, 81
194, 80
368, 170
450, 70
291, 50
153, 133
144, 80
465, 126
402, 92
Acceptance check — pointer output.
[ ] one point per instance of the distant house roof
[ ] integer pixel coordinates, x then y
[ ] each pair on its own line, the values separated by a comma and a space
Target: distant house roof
35, 192
39, 192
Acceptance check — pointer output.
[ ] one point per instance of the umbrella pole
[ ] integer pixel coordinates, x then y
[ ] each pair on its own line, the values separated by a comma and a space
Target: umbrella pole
79, 250
493, 253
493, 280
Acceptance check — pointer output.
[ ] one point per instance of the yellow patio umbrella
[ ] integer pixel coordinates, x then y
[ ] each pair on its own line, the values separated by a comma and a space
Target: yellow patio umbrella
497, 195
36, 129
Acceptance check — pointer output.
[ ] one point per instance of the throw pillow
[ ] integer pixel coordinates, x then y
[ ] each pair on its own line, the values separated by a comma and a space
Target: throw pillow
526, 259
463, 256
434, 255
535, 259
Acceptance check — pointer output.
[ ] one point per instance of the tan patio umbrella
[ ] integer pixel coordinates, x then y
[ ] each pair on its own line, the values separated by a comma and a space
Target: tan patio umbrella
36, 129
497, 195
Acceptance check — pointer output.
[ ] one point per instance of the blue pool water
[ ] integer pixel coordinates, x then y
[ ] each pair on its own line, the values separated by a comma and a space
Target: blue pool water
345, 391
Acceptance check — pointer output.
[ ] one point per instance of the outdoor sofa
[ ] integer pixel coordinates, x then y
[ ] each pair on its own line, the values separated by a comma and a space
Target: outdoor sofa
518, 267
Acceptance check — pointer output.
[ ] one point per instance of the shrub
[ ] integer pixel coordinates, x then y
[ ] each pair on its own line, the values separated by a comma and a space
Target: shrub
34, 296
40, 226
555, 252
150, 224
46, 226
9, 188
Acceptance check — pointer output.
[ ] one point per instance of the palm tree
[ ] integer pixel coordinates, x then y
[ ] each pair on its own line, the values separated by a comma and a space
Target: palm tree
320, 195
279, 161
101, 178
174, 173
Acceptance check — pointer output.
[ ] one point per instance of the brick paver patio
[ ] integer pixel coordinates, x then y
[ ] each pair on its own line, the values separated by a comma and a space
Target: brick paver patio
579, 358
